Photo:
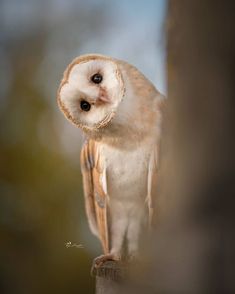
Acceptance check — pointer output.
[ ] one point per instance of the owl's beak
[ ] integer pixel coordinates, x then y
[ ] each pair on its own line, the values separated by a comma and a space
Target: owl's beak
103, 96
103, 99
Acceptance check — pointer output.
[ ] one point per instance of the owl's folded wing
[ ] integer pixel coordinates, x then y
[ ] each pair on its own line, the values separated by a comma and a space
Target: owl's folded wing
154, 162
95, 191
152, 184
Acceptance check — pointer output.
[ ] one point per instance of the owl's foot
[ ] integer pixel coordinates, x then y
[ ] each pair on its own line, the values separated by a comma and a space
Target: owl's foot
100, 260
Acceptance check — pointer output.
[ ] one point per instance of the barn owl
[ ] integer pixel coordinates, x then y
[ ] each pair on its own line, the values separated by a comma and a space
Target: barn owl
119, 111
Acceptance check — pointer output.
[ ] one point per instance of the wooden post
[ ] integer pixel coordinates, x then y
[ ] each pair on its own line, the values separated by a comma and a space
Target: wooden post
110, 278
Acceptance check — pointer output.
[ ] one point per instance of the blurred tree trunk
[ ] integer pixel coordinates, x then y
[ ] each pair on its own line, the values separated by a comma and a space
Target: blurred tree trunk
194, 248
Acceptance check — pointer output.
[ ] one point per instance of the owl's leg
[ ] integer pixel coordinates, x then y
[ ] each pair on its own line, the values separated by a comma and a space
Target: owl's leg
133, 233
119, 226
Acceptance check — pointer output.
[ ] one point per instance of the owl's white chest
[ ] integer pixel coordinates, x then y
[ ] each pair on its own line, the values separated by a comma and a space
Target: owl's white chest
126, 172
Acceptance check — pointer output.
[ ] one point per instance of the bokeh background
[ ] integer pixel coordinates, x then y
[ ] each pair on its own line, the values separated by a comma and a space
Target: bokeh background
41, 199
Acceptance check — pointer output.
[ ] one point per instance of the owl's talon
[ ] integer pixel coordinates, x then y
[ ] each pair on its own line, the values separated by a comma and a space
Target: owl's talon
100, 260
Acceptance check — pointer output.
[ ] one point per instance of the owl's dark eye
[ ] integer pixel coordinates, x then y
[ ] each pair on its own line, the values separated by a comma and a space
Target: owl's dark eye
85, 106
97, 78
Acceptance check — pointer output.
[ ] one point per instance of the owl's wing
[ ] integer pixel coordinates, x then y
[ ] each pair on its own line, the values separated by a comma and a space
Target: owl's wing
152, 183
95, 191
154, 162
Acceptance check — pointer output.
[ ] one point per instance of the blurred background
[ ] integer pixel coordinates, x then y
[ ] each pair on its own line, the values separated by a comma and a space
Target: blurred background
41, 198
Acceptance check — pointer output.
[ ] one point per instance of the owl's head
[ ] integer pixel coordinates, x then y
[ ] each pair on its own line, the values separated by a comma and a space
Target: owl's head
90, 91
